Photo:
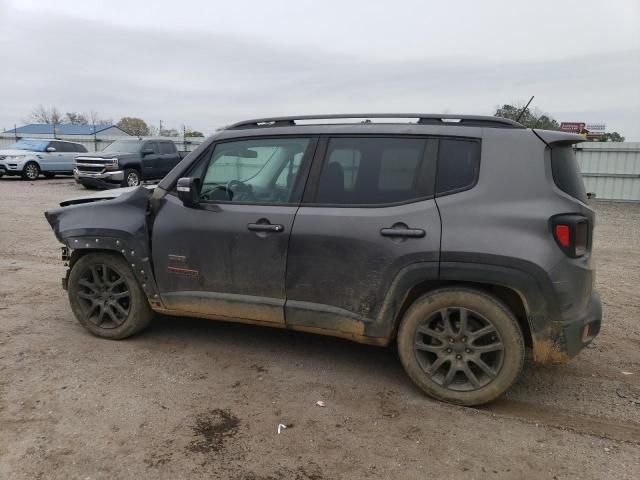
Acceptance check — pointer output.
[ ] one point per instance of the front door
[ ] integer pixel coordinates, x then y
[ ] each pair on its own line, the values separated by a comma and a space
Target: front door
55, 161
368, 212
226, 258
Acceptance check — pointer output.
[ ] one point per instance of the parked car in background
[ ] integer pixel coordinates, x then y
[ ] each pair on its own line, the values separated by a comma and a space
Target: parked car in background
29, 158
463, 239
127, 163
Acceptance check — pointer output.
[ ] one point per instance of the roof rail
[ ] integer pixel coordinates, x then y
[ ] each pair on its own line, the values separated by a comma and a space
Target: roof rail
423, 119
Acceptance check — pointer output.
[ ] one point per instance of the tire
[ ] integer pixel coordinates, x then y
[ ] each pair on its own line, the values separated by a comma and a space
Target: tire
131, 178
492, 338
114, 308
31, 171
49, 175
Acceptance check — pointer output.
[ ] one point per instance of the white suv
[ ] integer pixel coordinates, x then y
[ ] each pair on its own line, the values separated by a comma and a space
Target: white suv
30, 157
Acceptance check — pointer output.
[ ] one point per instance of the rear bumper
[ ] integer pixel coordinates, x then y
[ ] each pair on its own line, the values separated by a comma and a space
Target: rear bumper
565, 339
99, 180
580, 332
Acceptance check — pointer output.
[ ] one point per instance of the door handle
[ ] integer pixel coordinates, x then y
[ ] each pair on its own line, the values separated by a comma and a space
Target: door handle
265, 227
403, 232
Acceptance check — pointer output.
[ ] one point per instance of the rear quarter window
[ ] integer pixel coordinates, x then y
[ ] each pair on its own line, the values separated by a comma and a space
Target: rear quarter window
566, 172
167, 147
458, 165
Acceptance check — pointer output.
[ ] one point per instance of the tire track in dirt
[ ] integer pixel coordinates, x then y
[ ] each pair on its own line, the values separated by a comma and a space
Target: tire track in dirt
554, 417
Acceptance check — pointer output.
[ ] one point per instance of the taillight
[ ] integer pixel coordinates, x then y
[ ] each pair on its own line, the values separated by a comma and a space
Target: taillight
571, 233
563, 235
582, 234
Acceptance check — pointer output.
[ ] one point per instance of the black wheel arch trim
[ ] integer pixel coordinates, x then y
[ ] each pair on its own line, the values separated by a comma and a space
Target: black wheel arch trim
526, 279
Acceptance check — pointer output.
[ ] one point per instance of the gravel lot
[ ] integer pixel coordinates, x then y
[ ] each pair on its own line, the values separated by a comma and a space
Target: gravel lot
193, 398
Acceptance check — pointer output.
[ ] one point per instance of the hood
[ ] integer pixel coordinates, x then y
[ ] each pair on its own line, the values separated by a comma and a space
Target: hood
10, 152
108, 154
102, 195
121, 218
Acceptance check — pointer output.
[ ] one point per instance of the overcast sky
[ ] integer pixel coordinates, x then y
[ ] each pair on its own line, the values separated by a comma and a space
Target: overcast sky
208, 63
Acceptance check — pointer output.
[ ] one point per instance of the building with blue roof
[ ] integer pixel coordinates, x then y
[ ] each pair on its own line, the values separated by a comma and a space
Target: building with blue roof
66, 129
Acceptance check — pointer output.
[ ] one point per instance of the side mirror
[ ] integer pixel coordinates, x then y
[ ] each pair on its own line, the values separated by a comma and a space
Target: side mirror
51, 149
188, 189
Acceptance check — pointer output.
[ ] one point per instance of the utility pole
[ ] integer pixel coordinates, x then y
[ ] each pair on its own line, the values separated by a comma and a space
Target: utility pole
184, 136
160, 132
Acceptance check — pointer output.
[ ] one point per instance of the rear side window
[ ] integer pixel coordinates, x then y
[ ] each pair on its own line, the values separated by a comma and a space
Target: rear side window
374, 171
152, 146
458, 165
166, 147
80, 148
59, 146
566, 172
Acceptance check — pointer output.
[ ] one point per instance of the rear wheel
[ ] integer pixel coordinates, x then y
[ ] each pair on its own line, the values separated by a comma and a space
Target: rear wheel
31, 171
461, 346
131, 178
106, 297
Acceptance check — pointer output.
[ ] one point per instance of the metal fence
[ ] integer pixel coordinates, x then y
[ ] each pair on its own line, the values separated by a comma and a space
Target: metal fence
98, 143
611, 170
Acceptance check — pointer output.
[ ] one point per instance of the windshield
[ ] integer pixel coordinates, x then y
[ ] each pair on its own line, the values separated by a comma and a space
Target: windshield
126, 146
31, 145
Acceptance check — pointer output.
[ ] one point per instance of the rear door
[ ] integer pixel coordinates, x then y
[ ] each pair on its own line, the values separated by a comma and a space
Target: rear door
368, 211
227, 257
69, 152
168, 157
151, 162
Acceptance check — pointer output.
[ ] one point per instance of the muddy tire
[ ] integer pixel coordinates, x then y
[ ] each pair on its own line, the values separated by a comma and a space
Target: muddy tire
461, 346
131, 178
31, 171
106, 297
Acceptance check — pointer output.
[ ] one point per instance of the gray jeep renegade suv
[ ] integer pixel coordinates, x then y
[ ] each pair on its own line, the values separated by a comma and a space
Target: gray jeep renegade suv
464, 239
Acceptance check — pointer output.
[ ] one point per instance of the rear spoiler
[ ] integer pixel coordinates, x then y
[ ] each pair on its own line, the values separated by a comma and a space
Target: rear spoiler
554, 137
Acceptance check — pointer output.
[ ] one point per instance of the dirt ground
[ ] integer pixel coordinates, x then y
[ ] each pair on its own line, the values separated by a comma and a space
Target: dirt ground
194, 398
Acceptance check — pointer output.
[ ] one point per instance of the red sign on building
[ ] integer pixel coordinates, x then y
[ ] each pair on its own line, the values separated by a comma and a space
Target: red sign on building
572, 127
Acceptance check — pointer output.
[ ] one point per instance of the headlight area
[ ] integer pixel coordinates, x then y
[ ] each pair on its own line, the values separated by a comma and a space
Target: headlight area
111, 166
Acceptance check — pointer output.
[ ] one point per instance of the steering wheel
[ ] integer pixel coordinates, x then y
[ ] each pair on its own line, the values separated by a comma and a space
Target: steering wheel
238, 188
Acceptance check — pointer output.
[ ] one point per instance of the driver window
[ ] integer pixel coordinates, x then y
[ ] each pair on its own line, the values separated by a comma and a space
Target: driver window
253, 171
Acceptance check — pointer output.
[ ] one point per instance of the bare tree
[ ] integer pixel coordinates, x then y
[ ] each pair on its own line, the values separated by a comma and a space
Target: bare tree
94, 119
42, 114
76, 118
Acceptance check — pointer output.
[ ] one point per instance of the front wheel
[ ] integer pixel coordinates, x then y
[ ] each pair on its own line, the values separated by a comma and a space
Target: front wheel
131, 178
31, 171
106, 297
461, 346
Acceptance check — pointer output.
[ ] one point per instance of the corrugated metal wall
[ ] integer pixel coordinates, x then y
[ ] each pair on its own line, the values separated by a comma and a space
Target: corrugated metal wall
611, 170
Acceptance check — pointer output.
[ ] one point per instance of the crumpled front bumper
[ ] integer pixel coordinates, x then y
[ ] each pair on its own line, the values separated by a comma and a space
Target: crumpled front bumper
99, 180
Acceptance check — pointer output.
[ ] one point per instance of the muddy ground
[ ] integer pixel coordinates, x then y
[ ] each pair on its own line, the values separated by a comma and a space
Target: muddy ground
202, 399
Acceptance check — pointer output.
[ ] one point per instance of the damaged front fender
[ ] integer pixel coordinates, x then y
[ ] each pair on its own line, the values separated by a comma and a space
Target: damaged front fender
119, 225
